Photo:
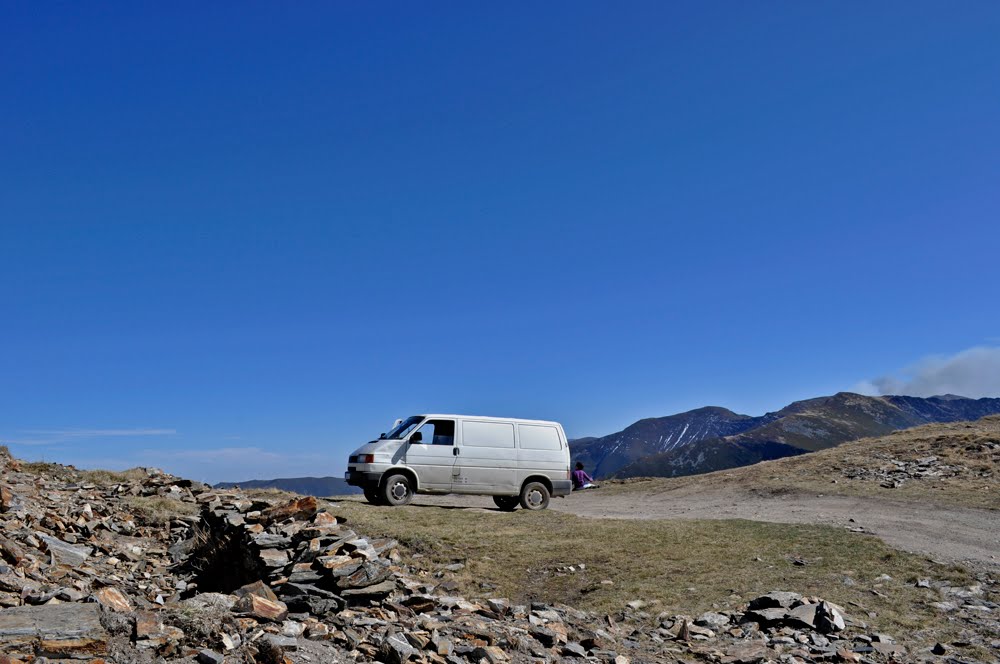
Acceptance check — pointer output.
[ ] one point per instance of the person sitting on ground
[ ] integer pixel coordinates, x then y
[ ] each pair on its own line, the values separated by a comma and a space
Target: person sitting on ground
581, 480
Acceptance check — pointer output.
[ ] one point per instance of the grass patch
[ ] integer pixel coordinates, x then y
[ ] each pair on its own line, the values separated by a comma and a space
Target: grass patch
682, 567
45, 468
112, 476
269, 493
158, 510
72, 474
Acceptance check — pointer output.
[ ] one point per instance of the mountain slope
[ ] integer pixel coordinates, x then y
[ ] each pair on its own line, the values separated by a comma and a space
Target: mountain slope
803, 426
956, 463
606, 455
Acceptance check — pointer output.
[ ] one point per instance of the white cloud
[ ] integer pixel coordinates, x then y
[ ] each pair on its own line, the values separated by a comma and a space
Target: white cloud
100, 433
974, 373
29, 442
39, 437
236, 464
218, 454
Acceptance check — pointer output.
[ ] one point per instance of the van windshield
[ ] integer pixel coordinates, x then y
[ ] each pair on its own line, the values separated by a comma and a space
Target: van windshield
404, 427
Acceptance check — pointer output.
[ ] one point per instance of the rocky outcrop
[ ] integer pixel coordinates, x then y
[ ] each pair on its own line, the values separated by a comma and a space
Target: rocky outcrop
135, 570
892, 473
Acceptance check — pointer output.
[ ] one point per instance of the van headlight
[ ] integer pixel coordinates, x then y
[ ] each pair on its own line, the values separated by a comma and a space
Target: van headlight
366, 458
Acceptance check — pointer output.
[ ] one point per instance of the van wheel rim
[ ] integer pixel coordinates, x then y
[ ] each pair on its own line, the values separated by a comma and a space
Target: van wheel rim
535, 498
399, 491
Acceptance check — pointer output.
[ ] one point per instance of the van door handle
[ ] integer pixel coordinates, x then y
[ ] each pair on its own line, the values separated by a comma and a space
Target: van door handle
455, 451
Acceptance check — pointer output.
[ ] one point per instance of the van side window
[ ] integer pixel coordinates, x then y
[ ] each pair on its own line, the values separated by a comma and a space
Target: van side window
488, 434
438, 432
535, 437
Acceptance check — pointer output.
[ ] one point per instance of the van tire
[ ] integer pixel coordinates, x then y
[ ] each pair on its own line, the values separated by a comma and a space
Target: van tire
373, 496
507, 503
396, 490
534, 496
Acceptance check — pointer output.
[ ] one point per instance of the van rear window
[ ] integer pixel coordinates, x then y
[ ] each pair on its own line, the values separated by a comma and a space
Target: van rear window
488, 434
537, 437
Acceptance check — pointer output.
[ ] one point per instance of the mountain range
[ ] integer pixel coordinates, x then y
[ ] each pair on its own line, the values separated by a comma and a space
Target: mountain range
713, 438
308, 486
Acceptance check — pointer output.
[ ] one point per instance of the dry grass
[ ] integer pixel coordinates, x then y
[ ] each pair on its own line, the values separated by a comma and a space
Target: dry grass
159, 510
46, 468
269, 494
72, 474
113, 477
972, 447
680, 566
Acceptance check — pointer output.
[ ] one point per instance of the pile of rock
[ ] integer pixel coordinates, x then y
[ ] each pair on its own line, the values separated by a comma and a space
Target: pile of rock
325, 582
785, 609
811, 628
246, 579
73, 550
231, 577
778, 626
893, 473
308, 556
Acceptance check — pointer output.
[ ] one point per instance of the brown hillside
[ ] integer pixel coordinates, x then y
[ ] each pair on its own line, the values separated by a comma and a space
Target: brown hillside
956, 463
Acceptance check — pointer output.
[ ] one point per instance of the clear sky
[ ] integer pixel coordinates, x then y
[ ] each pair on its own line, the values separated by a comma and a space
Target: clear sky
239, 239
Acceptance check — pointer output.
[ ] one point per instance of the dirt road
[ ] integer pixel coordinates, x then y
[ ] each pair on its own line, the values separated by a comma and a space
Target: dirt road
940, 532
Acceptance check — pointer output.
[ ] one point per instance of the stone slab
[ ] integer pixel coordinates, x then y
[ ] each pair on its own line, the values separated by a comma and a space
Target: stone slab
71, 631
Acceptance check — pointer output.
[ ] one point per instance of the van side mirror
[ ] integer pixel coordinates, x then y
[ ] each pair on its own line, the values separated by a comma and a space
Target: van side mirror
417, 437
381, 436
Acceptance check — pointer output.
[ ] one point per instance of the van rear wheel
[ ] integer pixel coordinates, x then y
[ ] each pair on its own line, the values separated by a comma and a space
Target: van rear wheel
372, 495
507, 503
397, 490
534, 496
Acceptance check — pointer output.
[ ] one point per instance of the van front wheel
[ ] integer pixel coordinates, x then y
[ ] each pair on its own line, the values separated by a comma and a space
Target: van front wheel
507, 503
534, 496
397, 490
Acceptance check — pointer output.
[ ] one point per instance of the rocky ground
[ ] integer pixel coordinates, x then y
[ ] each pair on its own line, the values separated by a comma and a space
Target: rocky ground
147, 567
892, 473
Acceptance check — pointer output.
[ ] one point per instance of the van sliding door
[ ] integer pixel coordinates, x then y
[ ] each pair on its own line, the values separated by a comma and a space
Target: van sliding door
487, 459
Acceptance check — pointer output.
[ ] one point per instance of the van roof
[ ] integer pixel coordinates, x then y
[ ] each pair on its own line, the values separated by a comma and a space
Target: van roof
488, 419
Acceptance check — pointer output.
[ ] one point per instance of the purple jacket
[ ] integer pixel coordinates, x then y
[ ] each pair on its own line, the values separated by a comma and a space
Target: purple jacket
580, 477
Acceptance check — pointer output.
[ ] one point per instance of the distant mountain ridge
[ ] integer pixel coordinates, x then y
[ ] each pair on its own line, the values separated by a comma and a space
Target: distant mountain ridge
607, 455
308, 486
712, 438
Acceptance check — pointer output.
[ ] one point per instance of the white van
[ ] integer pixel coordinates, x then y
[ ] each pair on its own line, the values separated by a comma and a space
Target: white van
518, 462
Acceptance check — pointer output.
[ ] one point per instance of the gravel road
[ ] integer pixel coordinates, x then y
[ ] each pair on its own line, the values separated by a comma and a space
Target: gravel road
940, 532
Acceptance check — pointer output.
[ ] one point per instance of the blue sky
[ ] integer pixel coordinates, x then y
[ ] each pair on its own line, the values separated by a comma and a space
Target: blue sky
238, 240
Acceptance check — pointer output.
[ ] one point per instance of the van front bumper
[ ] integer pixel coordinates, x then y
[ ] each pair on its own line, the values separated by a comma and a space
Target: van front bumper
362, 478
562, 487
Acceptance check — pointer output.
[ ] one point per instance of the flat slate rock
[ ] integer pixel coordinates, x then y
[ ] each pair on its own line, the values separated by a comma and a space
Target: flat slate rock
775, 599
55, 630
64, 553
